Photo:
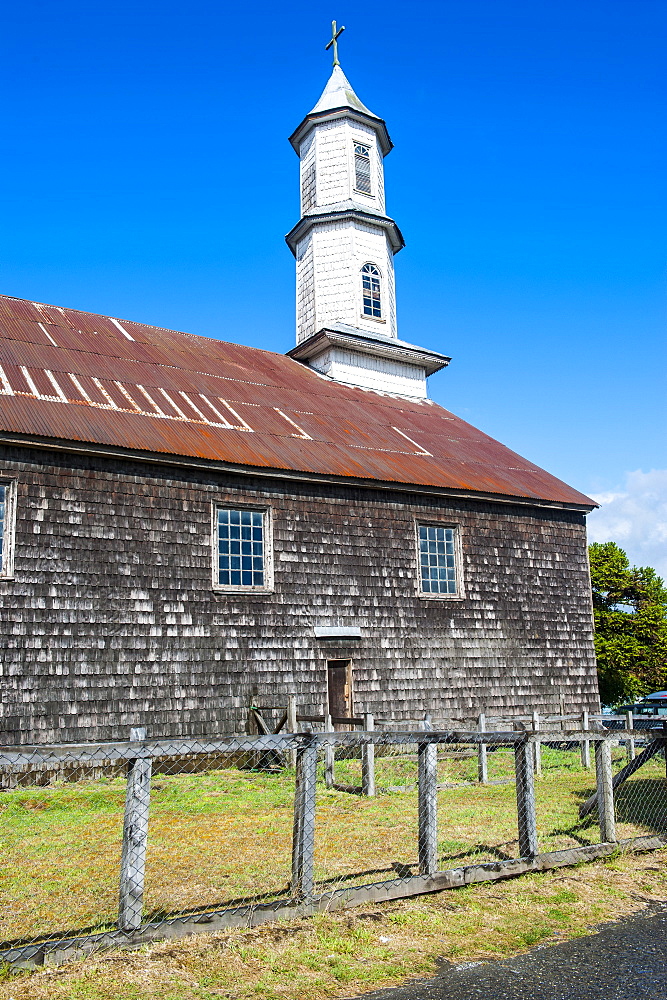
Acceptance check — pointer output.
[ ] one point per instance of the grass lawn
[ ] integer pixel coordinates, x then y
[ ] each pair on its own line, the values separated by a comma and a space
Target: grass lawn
225, 835
343, 954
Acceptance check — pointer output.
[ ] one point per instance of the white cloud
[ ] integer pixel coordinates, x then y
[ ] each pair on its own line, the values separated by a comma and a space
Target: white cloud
635, 517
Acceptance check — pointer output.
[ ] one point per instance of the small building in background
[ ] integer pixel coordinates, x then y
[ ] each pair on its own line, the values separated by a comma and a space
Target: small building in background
190, 526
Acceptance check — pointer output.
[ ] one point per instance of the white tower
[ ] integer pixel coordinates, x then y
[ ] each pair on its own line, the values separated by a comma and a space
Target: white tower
344, 245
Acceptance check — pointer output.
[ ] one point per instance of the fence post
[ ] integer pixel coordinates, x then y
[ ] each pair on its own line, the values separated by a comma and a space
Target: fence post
329, 754
482, 762
537, 746
427, 773
292, 725
585, 744
303, 840
251, 724
135, 838
253, 758
291, 713
630, 745
605, 792
525, 799
368, 759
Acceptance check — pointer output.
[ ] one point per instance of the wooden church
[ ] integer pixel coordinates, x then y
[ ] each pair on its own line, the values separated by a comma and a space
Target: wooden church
189, 525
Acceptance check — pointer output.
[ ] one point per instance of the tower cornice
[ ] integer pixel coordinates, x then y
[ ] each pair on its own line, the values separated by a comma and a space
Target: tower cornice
337, 335
335, 214
334, 114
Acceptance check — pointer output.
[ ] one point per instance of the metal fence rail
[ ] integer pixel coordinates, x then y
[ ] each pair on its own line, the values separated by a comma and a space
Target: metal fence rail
117, 843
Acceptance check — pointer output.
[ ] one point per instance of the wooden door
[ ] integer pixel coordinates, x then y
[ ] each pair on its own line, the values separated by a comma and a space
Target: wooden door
339, 679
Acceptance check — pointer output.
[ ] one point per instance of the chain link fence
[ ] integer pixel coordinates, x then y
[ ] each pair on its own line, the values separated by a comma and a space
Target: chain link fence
118, 843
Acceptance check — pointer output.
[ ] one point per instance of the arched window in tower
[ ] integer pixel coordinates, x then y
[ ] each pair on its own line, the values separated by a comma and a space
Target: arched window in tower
362, 168
370, 284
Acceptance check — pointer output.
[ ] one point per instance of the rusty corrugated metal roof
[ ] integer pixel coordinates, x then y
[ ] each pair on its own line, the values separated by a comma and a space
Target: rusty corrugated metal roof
77, 376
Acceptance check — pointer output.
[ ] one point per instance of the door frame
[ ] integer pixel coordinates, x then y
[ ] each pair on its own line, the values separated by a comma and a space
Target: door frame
349, 678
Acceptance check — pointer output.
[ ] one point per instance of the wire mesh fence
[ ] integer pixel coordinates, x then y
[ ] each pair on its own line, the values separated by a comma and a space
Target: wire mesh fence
123, 842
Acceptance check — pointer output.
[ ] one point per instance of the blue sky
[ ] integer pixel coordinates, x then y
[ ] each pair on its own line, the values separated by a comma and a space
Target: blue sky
147, 174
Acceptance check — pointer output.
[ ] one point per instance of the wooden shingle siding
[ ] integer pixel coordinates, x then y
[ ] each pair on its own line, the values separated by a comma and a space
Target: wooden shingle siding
111, 619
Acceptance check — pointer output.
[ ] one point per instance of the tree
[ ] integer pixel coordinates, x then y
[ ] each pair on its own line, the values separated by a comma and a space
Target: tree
630, 613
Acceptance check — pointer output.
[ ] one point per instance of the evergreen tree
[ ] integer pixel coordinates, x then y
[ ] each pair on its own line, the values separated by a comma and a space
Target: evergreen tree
630, 612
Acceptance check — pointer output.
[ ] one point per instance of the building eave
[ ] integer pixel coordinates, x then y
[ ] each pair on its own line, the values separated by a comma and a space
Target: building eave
262, 472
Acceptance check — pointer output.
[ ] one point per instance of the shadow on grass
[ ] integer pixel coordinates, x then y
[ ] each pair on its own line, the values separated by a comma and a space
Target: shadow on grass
643, 802
576, 831
640, 802
472, 855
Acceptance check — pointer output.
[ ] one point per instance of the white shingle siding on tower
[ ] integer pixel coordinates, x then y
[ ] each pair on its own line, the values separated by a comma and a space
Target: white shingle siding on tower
370, 372
329, 262
308, 174
372, 246
332, 144
333, 174
305, 289
379, 173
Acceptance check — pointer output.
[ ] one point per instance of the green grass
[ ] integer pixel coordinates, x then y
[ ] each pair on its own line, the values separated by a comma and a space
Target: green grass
226, 835
343, 954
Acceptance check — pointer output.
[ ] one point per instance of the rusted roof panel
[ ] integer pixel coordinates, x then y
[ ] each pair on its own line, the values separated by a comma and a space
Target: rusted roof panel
77, 376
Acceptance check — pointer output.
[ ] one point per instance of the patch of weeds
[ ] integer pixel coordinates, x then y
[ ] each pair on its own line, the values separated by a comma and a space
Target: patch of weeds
417, 919
562, 916
7, 972
565, 896
535, 935
612, 890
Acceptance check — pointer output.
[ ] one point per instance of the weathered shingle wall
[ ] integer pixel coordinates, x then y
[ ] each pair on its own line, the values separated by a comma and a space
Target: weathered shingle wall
111, 619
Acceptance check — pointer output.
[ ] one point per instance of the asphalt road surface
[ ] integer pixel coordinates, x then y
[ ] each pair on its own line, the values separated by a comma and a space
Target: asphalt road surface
623, 961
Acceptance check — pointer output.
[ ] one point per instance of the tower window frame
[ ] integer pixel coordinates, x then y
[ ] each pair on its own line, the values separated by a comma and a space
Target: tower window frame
371, 291
439, 560
242, 548
363, 181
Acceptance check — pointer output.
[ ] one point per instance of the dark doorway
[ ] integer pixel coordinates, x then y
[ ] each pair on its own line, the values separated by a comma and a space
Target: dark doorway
339, 679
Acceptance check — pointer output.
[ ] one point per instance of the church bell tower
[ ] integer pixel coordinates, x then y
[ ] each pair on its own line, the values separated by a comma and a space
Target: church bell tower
344, 245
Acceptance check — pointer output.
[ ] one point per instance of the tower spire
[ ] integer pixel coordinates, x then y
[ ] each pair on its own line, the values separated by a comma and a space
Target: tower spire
334, 41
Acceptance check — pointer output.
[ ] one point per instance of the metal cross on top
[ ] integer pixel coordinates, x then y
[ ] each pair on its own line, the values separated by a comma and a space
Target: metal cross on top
334, 41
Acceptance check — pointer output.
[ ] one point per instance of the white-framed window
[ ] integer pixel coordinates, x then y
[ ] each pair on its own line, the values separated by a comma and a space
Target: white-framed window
371, 295
242, 548
7, 495
439, 559
362, 168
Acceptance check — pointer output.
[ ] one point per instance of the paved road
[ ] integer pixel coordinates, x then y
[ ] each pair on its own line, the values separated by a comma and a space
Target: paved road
624, 961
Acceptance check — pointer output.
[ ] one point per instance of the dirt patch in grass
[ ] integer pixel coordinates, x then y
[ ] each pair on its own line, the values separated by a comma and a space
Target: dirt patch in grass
347, 953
